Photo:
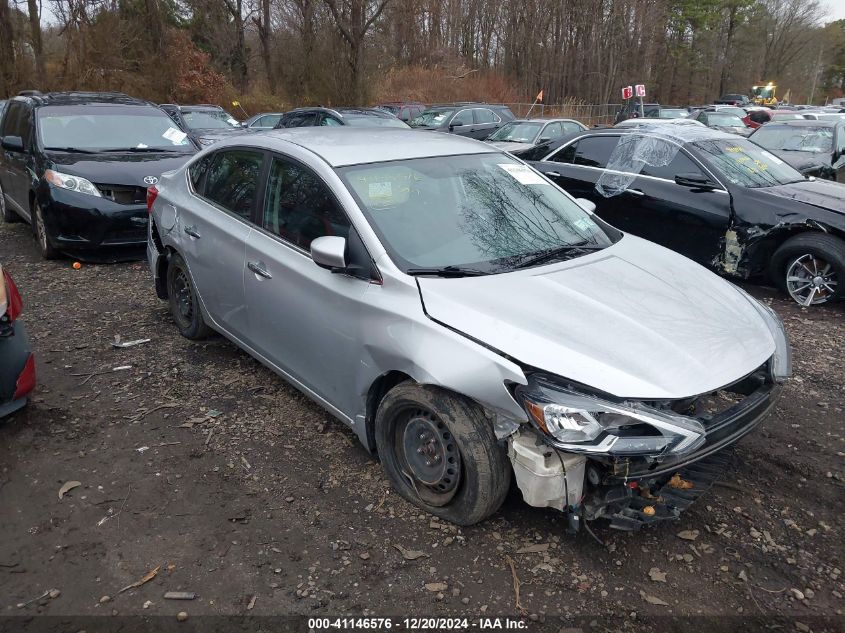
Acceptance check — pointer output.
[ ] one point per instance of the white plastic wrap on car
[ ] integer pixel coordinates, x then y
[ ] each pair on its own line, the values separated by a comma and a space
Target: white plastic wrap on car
656, 146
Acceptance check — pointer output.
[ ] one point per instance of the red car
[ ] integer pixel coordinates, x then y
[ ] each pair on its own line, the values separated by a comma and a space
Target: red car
17, 362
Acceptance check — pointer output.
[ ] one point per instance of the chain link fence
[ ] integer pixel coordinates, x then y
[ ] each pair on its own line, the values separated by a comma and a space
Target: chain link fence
588, 114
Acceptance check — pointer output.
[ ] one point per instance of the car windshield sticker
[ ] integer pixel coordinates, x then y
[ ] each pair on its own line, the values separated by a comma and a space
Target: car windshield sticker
177, 137
772, 157
523, 174
381, 191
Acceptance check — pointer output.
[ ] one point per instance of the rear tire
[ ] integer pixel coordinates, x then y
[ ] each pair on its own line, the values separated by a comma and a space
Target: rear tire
183, 300
9, 216
40, 230
440, 453
810, 267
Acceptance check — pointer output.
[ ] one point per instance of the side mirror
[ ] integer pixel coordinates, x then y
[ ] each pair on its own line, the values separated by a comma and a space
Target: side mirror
587, 205
694, 181
451, 127
329, 252
544, 139
12, 143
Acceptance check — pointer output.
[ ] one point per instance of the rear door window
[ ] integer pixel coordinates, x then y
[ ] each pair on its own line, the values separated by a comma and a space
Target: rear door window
483, 115
464, 117
680, 164
594, 151
298, 206
232, 181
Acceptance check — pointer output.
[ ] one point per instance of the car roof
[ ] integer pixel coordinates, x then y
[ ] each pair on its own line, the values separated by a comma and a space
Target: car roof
542, 119
341, 146
81, 98
680, 133
341, 110
804, 123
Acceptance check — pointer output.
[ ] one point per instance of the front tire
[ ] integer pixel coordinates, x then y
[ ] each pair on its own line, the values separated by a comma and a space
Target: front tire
810, 267
40, 230
183, 300
440, 453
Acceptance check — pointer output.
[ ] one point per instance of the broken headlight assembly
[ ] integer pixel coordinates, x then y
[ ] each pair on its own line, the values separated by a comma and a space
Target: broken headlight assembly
582, 423
71, 183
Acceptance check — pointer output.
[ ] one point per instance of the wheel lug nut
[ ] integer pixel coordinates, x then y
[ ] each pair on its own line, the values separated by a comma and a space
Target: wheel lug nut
419, 450
427, 463
422, 436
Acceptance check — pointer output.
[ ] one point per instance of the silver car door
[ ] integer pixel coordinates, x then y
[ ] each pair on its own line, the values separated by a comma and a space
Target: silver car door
303, 318
214, 230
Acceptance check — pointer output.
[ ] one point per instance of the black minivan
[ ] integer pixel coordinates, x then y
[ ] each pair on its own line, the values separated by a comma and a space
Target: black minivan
76, 166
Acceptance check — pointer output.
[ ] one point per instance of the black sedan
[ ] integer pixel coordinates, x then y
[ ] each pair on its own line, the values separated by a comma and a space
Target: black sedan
17, 363
815, 148
714, 197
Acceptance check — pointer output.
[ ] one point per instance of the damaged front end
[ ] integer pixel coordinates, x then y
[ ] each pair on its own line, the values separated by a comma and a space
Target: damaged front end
631, 462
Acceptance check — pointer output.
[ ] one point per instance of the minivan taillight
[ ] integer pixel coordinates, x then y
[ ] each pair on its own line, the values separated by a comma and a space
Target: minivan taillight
11, 304
152, 194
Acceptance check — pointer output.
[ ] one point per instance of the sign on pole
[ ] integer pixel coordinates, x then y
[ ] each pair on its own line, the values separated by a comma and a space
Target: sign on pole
627, 92
640, 90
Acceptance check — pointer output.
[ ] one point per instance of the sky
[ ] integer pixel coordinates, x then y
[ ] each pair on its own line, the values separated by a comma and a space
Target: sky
835, 9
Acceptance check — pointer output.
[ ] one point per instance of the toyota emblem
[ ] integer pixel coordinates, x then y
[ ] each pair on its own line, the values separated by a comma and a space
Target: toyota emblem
150, 180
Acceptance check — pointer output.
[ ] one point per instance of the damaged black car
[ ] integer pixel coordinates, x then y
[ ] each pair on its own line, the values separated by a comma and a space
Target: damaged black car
721, 200
815, 148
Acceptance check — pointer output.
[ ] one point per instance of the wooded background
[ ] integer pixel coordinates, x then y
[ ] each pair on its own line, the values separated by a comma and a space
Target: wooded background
273, 54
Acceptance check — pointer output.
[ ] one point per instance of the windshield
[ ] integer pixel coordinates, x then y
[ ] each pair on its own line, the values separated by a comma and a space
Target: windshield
745, 164
517, 132
209, 119
484, 211
724, 119
794, 138
673, 113
393, 109
364, 120
431, 118
109, 127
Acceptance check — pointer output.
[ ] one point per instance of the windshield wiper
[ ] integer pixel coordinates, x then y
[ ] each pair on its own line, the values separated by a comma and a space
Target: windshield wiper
70, 149
139, 149
561, 252
447, 271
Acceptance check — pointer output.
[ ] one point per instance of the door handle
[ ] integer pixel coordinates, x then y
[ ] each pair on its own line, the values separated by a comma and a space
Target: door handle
634, 192
192, 231
258, 269
552, 174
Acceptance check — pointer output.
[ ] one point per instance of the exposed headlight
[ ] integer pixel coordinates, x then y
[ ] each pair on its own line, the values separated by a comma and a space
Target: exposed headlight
72, 183
582, 423
782, 359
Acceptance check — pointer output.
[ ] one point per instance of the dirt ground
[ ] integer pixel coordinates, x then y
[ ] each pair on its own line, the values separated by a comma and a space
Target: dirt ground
200, 463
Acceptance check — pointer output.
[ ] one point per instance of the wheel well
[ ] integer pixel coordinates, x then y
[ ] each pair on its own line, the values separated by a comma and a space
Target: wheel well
378, 390
767, 246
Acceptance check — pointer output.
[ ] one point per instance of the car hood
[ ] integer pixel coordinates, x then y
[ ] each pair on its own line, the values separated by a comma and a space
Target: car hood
508, 146
805, 162
118, 168
222, 132
822, 194
634, 320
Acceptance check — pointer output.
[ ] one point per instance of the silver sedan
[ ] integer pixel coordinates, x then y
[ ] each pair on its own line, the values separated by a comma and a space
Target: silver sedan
468, 319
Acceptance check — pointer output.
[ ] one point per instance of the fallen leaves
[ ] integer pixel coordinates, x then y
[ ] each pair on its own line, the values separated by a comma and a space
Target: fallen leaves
146, 578
537, 548
680, 484
653, 599
67, 487
410, 554
656, 575
688, 535
436, 586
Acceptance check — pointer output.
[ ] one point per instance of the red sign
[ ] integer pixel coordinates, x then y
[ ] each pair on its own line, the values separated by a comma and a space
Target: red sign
627, 92
640, 90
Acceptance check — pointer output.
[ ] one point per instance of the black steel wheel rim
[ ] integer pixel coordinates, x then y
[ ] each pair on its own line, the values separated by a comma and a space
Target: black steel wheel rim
180, 289
428, 456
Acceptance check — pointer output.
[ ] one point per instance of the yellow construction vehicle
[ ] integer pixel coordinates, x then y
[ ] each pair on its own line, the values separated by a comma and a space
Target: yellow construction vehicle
764, 94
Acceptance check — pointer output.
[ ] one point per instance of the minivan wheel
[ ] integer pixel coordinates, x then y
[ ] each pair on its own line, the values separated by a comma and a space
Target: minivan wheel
440, 452
182, 297
40, 230
811, 268
9, 216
